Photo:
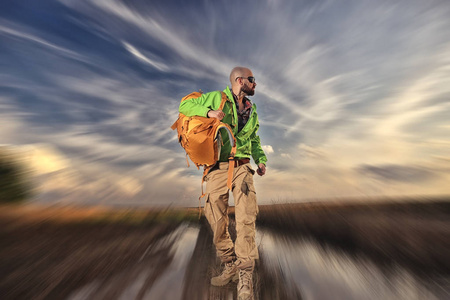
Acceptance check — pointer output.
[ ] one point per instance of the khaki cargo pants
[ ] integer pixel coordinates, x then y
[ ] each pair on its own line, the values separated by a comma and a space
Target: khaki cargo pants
246, 209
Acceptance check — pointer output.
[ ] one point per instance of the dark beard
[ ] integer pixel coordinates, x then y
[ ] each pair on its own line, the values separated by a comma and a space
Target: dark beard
247, 90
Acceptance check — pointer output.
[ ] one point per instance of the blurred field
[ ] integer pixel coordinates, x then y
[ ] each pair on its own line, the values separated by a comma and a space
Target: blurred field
47, 252
413, 233
52, 252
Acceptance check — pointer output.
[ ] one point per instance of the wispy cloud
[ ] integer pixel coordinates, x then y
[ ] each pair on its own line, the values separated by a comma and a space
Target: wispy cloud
39, 41
139, 55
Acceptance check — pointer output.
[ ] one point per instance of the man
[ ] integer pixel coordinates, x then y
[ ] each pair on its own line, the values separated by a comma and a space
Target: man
240, 114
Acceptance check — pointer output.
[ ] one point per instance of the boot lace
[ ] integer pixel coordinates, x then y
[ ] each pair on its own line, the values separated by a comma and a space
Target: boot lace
245, 278
229, 266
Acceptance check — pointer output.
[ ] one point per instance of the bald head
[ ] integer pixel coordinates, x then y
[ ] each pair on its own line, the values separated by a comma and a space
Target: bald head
239, 72
242, 82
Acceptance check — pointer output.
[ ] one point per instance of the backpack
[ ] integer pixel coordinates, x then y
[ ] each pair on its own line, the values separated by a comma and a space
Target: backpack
201, 139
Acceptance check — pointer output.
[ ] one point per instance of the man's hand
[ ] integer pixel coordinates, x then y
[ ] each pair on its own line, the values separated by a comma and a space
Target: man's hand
261, 169
218, 114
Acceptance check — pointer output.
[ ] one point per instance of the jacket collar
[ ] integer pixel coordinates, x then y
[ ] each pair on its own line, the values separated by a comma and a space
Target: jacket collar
231, 97
229, 94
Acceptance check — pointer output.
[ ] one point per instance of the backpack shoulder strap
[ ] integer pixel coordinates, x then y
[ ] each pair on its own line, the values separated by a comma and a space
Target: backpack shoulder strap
224, 100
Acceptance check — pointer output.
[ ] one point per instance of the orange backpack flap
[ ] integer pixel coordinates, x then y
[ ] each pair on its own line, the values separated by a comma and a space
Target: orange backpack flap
190, 96
199, 140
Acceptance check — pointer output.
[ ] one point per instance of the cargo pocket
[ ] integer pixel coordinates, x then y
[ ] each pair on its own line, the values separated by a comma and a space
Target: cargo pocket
215, 207
209, 214
250, 169
247, 185
251, 207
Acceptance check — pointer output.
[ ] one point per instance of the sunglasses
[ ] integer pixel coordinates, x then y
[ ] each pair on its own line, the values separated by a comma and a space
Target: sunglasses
251, 79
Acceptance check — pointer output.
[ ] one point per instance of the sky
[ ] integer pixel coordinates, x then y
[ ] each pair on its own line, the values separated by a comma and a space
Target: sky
353, 97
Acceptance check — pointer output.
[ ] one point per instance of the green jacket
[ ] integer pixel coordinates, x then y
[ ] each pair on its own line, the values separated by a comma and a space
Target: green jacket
247, 140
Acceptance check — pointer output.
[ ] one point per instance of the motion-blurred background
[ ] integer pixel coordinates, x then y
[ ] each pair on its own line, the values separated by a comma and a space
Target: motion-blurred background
353, 96
353, 101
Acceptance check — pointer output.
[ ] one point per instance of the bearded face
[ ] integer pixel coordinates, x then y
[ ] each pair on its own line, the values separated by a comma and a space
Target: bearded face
247, 89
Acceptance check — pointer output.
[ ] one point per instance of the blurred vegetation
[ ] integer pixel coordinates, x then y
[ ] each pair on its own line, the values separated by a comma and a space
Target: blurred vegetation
412, 232
48, 252
96, 215
15, 183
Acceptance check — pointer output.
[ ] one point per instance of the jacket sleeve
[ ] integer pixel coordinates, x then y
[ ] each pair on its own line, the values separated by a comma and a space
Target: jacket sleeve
257, 152
201, 105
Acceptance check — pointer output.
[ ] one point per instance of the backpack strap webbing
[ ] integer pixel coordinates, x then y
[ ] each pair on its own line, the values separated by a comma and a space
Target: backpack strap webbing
224, 100
233, 149
174, 125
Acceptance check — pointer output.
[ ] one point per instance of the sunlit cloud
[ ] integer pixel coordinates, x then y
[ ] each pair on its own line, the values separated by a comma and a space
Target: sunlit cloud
268, 149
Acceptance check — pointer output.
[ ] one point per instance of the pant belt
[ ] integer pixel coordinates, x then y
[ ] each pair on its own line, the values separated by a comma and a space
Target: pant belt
240, 162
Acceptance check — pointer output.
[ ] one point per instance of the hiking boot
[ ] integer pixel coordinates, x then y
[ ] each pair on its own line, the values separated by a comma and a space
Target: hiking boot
229, 273
245, 286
